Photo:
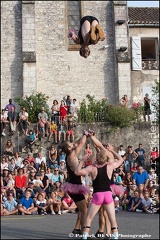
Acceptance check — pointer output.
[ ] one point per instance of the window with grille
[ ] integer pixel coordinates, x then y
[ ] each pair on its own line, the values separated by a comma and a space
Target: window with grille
74, 17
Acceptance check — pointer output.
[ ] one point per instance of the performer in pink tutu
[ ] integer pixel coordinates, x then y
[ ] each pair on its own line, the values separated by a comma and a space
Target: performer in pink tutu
89, 33
117, 190
73, 185
101, 174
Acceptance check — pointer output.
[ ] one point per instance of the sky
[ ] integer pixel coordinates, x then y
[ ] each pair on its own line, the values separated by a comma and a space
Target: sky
143, 3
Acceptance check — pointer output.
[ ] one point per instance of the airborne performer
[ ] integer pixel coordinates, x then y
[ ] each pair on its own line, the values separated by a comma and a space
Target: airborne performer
90, 32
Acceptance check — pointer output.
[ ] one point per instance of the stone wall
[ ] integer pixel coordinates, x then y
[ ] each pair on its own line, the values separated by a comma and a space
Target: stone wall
144, 133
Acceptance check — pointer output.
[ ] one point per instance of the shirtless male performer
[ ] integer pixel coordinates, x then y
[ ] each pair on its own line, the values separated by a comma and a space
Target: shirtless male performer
73, 185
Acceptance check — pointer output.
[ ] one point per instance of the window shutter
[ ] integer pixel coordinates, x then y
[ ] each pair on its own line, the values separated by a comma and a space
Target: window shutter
136, 53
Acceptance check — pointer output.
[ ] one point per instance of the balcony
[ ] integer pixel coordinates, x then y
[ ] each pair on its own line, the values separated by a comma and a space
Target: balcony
149, 64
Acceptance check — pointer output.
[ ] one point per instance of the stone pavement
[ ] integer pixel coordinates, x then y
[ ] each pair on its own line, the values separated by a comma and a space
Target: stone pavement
143, 225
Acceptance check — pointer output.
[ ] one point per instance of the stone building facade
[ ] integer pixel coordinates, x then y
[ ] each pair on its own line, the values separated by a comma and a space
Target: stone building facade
36, 56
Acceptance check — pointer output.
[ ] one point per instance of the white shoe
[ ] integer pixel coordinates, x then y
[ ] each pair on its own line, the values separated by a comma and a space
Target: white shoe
3, 134
59, 213
53, 213
65, 211
138, 210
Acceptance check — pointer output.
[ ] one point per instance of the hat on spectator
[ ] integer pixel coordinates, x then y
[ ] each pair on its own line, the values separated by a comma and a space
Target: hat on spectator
62, 160
6, 168
42, 108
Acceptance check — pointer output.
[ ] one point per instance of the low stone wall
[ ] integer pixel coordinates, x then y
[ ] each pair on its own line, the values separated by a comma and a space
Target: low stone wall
144, 133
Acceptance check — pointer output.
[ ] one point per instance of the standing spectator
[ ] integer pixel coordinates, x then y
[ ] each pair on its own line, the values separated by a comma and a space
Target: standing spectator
26, 205
3, 121
124, 101
140, 177
131, 157
141, 155
12, 116
63, 111
68, 102
153, 156
23, 120
44, 116
55, 112
74, 108
147, 108
9, 106
41, 127
9, 148
121, 151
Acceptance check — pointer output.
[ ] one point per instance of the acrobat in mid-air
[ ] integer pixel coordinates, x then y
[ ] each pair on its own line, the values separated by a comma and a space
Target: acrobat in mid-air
90, 32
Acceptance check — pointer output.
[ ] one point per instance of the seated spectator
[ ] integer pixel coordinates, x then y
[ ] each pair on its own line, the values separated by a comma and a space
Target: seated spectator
134, 168
20, 183
38, 184
141, 188
125, 201
42, 167
31, 175
5, 177
154, 207
136, 202
140, 177
26, 205
30, 158
122, 174
12, 116
41, 204
3, 121
48, 174
40, 158
55, 112
44, 117
11, 165
70, 132
10, 206
56, 177
4, 163
152, 176
52, 154
118, 179
18, 159
68, 205
54, 204
23, 120
62, 130
61, 155
127, 179
30, 140
45, 181
146, 201
3, 194
63, 169
9, 148
53, 131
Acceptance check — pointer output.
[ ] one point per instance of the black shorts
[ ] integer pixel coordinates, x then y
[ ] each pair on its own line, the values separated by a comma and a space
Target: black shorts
77, 197
86, 18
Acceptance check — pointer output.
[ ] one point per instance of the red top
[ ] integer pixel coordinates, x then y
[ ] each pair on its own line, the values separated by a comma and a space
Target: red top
63, 111
20, 182
154, 155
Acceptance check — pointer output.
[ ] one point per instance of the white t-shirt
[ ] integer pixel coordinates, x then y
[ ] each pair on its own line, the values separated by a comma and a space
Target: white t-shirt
43, 201
39, 160
121, 153
37, 182
146, 203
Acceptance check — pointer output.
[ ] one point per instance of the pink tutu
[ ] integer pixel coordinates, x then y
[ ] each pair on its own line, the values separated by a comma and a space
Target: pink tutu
117, 189
74, 188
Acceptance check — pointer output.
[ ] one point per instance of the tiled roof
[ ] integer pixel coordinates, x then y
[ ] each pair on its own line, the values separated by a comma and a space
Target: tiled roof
146, 15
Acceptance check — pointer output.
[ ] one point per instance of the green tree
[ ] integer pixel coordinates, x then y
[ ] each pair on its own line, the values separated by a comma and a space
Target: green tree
156, 99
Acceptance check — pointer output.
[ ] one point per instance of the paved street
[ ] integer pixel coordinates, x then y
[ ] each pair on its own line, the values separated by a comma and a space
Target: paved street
59, 226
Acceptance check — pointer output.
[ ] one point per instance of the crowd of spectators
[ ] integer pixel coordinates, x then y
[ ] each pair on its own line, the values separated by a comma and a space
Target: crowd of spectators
31, 184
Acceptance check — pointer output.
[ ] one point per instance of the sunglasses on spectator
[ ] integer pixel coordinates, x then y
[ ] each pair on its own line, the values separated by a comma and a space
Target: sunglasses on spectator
56, 170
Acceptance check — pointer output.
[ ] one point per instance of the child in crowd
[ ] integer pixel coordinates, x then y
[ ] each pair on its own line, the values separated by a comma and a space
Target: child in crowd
70, 132
10, 205
154, 207
62, 129
11, 184
38, 184
152, 176
54, 203
68, 204
146, 201
53, 131
26, 205
41, 127
41, 204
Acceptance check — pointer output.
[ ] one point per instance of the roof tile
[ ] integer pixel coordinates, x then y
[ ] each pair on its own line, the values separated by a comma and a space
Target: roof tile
147, 15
